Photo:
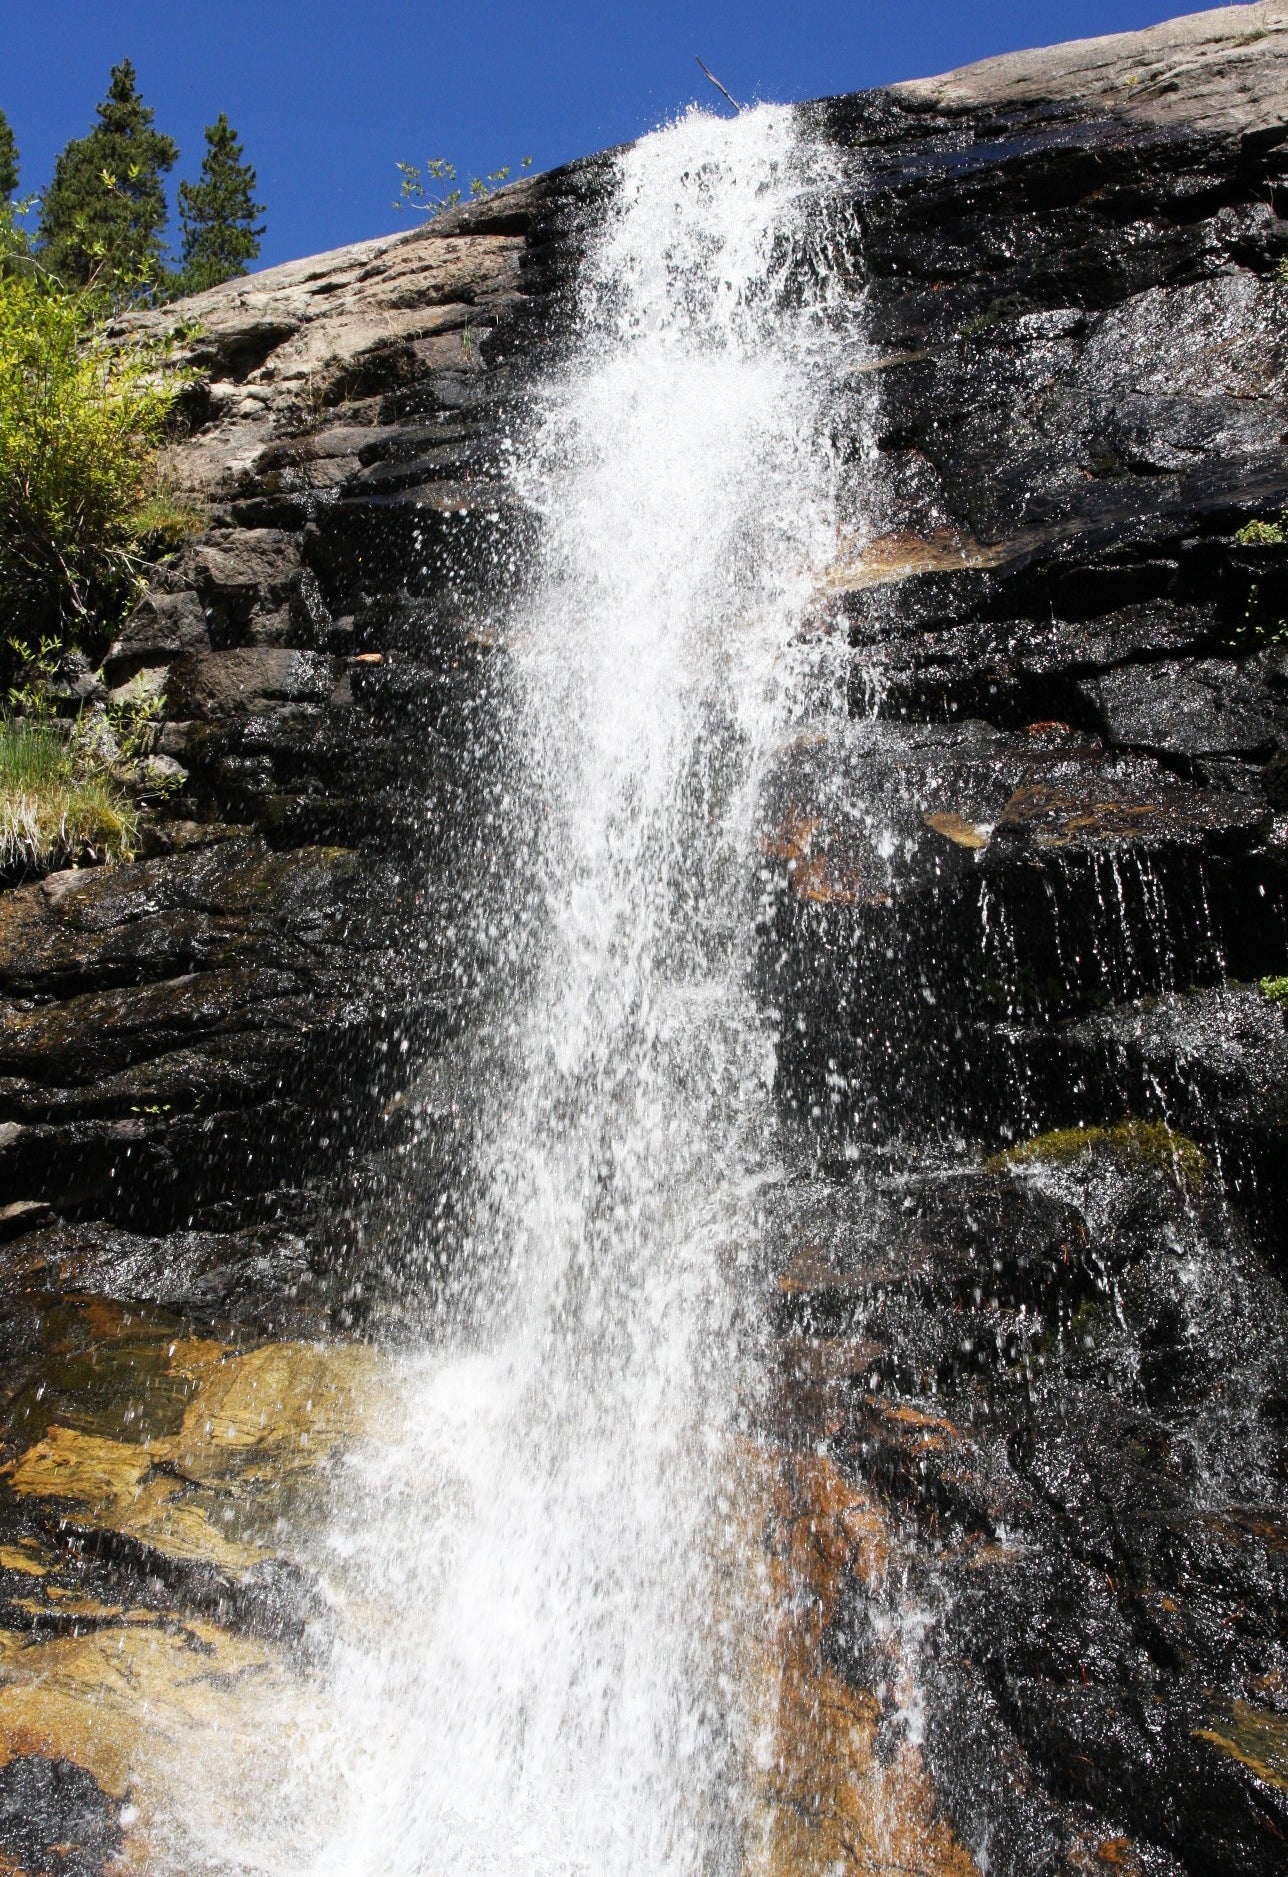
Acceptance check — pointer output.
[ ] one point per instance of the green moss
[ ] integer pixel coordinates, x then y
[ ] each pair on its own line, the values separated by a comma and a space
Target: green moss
1276, 989
1091, 1325
1149, 1144
1254, 1737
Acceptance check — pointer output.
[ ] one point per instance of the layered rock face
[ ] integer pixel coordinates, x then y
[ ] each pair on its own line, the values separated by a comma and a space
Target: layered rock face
191, 1040
1028, 896
1026, 1286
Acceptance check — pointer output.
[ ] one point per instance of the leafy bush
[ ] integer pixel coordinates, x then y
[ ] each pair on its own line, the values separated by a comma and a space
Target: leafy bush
1262, 534
57, 803
80, 420
36, 668
435, 191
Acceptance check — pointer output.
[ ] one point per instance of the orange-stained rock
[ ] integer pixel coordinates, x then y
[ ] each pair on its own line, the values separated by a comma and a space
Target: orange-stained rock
826, 1802
817, 873
179, 1448
899, 556
251, 1420
953, 828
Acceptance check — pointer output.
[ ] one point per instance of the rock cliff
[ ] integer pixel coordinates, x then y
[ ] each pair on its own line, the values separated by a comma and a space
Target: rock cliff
1020, 907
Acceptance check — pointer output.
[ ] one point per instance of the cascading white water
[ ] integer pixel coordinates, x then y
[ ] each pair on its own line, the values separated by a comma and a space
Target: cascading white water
536, 1670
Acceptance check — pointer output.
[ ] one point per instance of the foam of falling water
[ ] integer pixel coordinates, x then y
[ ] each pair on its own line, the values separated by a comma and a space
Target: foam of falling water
535, 1671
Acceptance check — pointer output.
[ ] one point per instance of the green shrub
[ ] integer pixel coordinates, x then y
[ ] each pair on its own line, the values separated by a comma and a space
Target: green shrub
1258, 628
1276, 989
1261, 534
80, 421
57, 803
33, 668
435, 190
79, 424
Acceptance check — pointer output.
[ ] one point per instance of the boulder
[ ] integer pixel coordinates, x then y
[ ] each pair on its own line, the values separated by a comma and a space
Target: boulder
247, 680
1201, 708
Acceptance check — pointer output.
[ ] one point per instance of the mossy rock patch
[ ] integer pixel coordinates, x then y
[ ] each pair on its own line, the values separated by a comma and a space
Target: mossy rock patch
1141, 1145
1255, 1739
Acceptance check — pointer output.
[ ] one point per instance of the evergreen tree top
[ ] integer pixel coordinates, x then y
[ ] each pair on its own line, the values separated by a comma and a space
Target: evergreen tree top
123, 112
104, 213
8, 159
124, 121
218, 213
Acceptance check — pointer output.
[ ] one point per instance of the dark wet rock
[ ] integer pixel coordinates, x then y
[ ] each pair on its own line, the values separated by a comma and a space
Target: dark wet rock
55, 1819
83, 930
274, 1599
934, 882
74, 685
1214, 1063
267, 1276
1015, 902
198, 1026
22, 1216
1199, 709
250, 679
1070, 1382
162, 626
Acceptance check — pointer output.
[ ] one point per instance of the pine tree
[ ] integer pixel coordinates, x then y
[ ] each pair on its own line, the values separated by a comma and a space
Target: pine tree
8, 159
104, 214
220, 237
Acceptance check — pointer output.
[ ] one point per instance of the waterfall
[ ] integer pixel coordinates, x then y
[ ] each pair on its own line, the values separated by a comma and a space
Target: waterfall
536, 1668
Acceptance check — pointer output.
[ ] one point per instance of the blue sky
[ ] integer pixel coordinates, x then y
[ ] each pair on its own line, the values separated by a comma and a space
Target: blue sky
329, 94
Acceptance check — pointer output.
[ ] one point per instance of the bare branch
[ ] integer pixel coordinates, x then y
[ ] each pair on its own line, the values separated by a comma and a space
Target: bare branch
719, 87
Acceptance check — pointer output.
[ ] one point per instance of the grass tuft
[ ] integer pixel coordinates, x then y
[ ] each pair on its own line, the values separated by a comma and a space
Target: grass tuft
56, 806
165, 522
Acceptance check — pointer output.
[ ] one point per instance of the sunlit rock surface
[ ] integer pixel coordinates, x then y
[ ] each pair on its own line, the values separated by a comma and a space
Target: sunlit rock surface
1018, 1492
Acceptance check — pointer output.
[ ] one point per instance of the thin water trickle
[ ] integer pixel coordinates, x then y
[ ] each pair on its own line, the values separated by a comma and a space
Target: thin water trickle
538, 1643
